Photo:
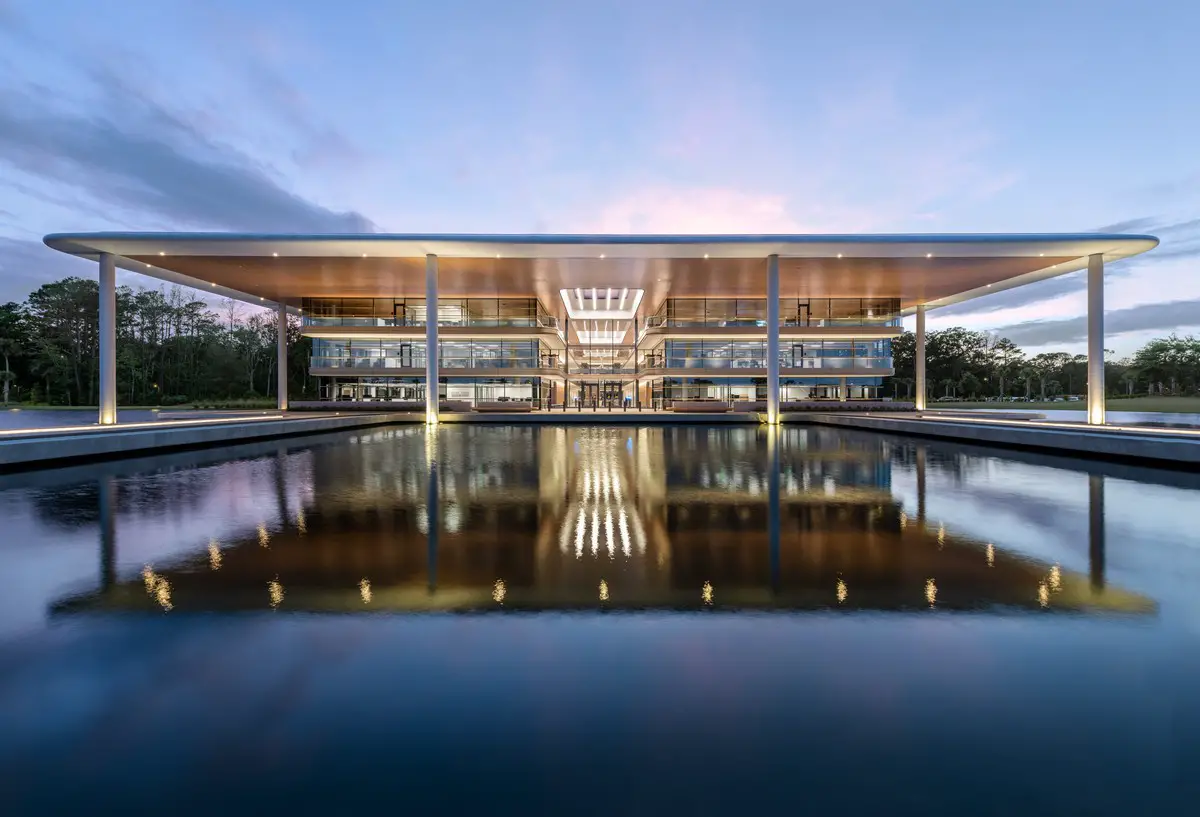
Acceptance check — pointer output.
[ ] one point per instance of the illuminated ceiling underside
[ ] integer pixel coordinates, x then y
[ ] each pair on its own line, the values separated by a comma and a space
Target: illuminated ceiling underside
918, 269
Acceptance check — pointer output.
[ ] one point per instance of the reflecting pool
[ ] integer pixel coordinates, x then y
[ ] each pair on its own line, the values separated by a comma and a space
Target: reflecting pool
566, 620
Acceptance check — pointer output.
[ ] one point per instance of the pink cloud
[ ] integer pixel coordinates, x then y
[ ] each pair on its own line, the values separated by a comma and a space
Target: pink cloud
708, 210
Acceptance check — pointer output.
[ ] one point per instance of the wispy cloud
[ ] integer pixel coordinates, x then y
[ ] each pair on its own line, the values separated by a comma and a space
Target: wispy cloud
134, 154
1162, 317
1179, 239
138, 156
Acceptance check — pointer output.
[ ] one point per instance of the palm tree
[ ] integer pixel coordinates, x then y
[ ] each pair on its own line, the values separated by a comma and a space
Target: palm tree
1130, 377
1027, 374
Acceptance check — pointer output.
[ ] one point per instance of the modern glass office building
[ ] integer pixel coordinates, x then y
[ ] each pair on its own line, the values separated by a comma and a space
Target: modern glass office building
638, 361
545, 322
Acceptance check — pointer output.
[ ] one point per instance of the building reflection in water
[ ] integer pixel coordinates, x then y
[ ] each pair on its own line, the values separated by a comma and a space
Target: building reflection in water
576, 518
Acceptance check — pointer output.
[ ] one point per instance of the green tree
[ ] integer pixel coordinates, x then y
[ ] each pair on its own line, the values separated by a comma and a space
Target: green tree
1004, 360
1046, 366
1173, 359
66, 315
13, 333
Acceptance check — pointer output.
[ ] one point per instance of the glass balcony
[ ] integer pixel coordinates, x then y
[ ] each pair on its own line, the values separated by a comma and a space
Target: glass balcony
813, 312
481, 312
418, 362
786, 361
819, 354
601, 359
391, 354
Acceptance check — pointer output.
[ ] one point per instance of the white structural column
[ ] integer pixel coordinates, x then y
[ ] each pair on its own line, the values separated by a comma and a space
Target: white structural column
1095, 341
919, 359
431, 338
281, 358
773, 339
108, 339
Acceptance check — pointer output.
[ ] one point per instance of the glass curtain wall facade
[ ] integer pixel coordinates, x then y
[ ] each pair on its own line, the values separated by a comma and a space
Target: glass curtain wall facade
665, 390
471, 391
793, 312
725, 356
601, 374
369, 370
482, 312
342, 353
752, 354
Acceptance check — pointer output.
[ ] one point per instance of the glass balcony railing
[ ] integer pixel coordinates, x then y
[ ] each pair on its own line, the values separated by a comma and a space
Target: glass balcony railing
786, 361
724, 313
600, 368
659, 321
541, 322
418, 362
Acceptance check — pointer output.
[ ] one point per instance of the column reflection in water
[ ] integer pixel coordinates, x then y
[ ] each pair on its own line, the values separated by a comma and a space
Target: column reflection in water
108, 532
433, 516
773, 510
921, 484
1096, 530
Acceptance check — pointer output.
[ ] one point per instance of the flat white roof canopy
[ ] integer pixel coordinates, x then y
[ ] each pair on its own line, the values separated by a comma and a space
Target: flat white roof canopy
934, 270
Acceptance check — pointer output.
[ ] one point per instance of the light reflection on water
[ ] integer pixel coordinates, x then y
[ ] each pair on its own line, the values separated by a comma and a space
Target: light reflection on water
919, 594
413, 521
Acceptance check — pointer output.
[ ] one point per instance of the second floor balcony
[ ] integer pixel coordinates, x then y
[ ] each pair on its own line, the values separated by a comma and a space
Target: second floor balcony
417, 362
786, 361
412, 312
751, 313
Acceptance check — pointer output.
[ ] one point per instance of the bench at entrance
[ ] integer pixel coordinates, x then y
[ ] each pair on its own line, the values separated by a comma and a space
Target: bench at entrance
693, 406
504, 405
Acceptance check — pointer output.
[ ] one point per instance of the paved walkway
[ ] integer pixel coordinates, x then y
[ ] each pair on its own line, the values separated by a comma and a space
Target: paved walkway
43, 447
1159, 446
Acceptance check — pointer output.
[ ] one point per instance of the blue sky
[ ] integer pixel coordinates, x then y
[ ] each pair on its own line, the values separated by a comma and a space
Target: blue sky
617, 116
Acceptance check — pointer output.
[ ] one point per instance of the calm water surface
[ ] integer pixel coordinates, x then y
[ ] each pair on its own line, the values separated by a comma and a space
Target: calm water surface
658, 620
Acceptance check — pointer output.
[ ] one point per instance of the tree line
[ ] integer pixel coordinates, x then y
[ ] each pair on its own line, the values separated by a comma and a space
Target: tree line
172, 348
977, 365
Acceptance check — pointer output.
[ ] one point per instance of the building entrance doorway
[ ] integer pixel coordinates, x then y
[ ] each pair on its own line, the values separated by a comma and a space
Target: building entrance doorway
603, 394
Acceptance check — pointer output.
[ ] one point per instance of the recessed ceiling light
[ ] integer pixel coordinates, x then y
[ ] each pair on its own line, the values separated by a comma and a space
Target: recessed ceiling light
364, 255
989, 286
275, 254
706, 255
839, 255
262, 299
214, 283
601, 255
160, 252
929, 255
1041, 255
497, 255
